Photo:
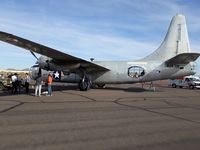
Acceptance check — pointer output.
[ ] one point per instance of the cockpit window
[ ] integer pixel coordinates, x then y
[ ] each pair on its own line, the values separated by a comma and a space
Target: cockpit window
136, 71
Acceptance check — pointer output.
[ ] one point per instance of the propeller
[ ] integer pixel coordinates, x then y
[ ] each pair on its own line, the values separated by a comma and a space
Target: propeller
34, 54
37, 62
36, 65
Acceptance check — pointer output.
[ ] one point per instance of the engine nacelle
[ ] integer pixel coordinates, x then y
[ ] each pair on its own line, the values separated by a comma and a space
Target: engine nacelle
52, 65
36, 71
46, 64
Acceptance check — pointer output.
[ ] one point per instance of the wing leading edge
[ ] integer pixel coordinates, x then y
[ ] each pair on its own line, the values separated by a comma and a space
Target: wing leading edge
57, 56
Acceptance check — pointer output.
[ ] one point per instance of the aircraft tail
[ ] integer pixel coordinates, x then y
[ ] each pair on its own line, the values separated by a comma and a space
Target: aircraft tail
176, 40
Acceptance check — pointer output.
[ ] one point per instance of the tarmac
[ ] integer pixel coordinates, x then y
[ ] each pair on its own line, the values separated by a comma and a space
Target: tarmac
120, 117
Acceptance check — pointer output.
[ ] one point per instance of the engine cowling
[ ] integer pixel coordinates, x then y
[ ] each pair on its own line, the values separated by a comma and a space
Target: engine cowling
36, 71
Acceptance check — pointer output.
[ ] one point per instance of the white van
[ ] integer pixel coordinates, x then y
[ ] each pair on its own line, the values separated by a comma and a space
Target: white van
187, 81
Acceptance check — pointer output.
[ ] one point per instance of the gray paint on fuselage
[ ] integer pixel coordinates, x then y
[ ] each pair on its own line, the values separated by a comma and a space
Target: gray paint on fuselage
154, 70
119, 71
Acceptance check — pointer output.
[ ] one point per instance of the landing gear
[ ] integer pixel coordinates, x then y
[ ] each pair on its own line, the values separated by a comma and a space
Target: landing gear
85, 83
101, 85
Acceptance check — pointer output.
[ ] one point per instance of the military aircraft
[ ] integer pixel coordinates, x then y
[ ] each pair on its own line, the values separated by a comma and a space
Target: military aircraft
172, 59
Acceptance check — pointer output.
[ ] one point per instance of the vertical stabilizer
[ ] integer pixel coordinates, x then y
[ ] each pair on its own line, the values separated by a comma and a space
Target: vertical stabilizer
176, 40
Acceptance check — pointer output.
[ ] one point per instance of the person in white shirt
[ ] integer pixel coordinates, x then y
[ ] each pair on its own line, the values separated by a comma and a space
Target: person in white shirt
14, 83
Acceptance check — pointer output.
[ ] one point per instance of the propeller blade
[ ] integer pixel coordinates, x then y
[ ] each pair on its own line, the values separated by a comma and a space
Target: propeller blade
34, 54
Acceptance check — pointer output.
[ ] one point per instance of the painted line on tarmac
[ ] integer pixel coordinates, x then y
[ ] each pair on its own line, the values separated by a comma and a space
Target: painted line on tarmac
117, 101
12, 107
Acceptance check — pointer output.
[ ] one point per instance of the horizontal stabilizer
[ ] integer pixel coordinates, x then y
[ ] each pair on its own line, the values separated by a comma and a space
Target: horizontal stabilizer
183, 58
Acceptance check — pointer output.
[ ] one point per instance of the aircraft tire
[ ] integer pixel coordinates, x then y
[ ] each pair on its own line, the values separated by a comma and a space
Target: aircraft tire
84, 86
101, 85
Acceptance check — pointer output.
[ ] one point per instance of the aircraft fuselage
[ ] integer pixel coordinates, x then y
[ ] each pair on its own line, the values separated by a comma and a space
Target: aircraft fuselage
128, 72
120, 71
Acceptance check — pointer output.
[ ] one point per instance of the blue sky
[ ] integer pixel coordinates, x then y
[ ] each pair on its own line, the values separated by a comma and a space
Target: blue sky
102, 29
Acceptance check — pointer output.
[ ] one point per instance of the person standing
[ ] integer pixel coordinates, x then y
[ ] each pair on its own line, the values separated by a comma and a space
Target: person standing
38, 86
27, 80
14, 83
18, 84
49, 83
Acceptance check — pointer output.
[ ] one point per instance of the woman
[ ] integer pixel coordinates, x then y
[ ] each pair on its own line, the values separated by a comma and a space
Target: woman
49, 83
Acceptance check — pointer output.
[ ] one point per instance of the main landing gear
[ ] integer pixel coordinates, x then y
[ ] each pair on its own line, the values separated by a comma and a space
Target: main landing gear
85, 83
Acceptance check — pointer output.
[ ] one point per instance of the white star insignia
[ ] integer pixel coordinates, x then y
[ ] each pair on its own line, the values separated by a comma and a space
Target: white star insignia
56, 74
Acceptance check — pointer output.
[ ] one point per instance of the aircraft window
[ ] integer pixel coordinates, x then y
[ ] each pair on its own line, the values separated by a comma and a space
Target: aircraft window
136, 72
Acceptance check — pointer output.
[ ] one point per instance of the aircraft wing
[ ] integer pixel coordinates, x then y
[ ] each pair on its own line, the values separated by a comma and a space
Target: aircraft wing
57, 56
183, 58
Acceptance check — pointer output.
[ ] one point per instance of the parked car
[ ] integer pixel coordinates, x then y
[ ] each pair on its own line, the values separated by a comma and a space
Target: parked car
190, 82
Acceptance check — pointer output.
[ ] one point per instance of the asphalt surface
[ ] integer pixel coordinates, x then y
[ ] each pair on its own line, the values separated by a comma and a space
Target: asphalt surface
120, 117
